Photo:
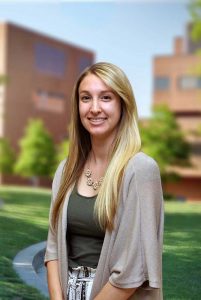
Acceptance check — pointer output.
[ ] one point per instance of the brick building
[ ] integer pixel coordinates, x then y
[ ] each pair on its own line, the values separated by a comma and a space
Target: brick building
41, 72
177, 83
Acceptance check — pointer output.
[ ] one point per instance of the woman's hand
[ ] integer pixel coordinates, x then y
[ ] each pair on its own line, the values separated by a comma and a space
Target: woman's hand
110, 292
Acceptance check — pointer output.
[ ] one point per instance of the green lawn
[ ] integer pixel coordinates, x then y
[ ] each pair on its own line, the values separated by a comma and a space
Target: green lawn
23, 221
182, 251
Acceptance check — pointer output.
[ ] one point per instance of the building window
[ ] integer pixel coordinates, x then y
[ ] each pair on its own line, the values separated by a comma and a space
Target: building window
190, 82
44, 95
199, 83
50, 60
161, 83
84, 62
49, 101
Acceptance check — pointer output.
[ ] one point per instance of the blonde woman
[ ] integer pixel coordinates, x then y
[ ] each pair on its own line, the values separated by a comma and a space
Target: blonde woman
106, 215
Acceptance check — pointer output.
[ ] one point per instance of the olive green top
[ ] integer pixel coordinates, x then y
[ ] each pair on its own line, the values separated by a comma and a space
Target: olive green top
84, 235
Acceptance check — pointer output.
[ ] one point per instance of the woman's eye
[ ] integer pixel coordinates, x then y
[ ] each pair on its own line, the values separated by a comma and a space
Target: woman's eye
106, 98
85, 98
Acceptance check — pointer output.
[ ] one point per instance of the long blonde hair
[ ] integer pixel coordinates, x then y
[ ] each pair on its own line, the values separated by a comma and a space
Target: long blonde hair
126, 144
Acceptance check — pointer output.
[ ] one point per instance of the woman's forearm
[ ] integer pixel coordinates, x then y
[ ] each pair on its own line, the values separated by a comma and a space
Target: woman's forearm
54, 286
110, 292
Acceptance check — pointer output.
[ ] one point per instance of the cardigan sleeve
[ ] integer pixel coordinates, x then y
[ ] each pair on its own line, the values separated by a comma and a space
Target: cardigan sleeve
136, 259
51, 247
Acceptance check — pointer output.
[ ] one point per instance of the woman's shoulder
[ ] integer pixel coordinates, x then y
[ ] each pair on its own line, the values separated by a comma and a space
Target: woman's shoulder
142, 163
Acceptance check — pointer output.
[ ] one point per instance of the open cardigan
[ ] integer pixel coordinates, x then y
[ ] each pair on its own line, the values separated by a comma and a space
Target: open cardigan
131, 254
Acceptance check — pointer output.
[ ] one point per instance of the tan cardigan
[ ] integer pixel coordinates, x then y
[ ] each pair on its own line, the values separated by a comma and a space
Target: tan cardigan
131, 255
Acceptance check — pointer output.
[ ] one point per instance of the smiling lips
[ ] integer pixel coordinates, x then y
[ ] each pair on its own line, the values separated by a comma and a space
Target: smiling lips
96, 120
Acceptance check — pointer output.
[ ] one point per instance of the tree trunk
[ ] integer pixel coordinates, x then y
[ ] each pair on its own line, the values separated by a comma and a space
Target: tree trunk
35, 181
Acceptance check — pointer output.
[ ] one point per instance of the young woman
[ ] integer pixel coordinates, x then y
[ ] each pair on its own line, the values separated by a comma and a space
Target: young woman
106, 215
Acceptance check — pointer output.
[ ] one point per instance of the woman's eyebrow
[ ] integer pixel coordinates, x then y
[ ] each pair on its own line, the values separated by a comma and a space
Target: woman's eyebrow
107, 91
80, 92
101, 92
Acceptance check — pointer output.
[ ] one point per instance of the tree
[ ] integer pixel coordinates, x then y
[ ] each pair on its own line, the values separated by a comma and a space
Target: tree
163, 140
195, 11
62, 151
7, 157
37, 155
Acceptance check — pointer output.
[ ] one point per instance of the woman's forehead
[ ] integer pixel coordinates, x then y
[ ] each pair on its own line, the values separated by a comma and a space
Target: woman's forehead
92, 83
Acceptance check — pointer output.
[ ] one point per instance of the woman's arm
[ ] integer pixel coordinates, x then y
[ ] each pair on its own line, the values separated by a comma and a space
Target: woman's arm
110, 292
54, 286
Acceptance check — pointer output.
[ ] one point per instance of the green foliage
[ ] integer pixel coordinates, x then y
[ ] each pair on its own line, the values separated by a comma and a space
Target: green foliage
37, 155
163, 140
7, 157
62, 151
195, 11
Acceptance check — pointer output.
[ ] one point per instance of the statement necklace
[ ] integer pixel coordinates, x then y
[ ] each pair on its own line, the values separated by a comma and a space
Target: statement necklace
94, 184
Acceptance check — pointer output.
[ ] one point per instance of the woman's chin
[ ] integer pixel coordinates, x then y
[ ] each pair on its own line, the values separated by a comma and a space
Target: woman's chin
102, 135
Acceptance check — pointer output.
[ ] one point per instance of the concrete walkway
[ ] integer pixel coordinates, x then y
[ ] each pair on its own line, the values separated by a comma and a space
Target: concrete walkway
28, 264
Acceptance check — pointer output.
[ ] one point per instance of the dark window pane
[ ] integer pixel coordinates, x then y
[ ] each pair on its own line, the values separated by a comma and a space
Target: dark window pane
50, 60
84, 62
161, 83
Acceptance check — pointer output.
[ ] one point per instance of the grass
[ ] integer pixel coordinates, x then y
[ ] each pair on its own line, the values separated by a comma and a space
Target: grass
182, 251
24, 221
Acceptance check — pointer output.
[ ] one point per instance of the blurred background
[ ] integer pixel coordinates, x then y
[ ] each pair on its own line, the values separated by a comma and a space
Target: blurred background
44, 45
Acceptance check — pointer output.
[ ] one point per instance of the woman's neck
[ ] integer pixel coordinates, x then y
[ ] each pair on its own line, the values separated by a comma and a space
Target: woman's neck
100, 150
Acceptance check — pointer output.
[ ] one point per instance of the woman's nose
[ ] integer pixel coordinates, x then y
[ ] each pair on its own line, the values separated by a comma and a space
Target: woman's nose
95, 107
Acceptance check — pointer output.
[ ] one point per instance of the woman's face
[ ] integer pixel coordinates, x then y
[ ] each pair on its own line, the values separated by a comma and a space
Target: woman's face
99, 107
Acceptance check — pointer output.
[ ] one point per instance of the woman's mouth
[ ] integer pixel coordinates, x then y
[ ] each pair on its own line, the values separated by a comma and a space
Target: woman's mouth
97, 120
